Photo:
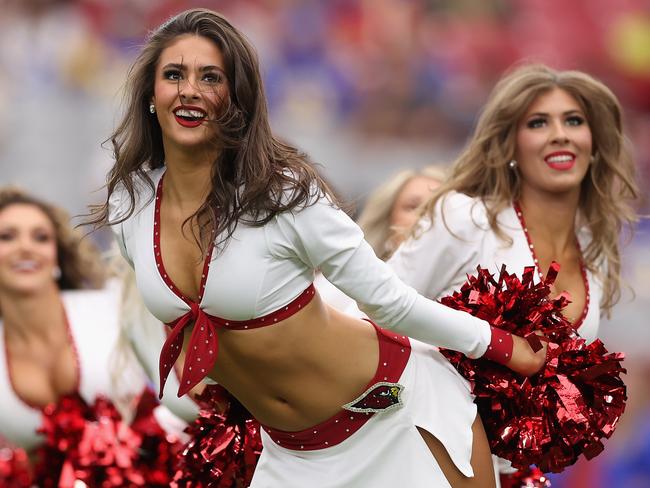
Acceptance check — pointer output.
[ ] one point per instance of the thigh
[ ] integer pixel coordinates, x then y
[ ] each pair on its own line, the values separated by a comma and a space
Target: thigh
481, 459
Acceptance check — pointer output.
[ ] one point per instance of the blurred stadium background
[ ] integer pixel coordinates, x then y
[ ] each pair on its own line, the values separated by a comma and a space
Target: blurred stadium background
366, 87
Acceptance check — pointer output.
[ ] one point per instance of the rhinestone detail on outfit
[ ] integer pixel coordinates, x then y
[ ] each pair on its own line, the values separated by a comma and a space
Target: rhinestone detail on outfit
583, 270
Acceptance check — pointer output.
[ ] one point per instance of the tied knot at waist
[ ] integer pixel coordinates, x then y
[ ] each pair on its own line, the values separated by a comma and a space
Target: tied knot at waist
202, 348
203, 345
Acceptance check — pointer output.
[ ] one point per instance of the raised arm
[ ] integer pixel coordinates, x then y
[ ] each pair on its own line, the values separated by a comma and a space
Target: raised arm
324, 237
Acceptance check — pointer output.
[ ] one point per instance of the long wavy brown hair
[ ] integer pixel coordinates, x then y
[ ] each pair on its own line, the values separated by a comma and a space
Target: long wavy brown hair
254, 177
78, 258
607, 192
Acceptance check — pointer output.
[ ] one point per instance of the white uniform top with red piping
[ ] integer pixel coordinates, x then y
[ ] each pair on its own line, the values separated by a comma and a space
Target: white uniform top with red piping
263, 269
92, 317
438, 261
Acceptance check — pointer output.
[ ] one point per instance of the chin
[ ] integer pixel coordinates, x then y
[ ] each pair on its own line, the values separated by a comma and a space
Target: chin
28, 286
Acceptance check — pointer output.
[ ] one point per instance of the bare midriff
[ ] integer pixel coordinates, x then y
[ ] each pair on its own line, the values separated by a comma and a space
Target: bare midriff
298, 372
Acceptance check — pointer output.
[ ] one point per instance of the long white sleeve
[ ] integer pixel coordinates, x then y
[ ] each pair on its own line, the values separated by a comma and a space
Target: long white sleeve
324, 237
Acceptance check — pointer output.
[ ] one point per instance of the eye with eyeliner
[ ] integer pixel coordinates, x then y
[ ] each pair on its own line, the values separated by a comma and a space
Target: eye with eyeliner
172, 75
575, 120
212, 77
536, 123
42, 236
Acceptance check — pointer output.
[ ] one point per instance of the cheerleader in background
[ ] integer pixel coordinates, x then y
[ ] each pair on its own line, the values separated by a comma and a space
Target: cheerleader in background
545, 177
390, 212
393, 208
225, 226
59, 328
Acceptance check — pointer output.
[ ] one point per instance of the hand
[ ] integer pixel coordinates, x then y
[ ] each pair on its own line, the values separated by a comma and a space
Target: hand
524, 360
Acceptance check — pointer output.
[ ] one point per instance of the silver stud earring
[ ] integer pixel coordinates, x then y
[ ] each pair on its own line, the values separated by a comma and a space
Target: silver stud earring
512, 164
152, 108
56, 273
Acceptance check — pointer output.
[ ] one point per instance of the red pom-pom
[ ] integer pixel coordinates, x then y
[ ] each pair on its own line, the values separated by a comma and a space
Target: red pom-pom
224, 447
15, 471
94, 445
563, 411
526, 478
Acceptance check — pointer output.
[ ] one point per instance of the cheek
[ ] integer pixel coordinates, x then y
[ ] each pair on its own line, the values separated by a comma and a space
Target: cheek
50, 253
526, 144
586, 141
402, 217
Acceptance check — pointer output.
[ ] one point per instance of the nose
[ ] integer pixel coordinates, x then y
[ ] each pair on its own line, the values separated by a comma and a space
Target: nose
187, 91
559, 134
25, 243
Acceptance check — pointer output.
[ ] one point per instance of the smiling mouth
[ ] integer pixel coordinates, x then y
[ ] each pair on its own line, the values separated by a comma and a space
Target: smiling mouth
25, 266
561, 161
189, 117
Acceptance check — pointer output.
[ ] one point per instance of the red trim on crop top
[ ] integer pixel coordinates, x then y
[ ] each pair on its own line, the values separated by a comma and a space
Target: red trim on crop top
203, 346
583, 271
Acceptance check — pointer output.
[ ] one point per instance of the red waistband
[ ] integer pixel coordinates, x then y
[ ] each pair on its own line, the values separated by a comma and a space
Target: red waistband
203, 346
394, 353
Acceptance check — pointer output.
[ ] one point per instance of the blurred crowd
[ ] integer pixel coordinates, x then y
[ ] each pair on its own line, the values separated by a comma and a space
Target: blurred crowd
412, 72
367, 87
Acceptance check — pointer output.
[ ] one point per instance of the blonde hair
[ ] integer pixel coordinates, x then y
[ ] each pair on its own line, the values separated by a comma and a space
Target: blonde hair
607, 192
375, 217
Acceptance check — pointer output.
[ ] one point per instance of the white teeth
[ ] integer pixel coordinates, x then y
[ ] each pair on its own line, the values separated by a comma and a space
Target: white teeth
560, 159
195, 114
25, 265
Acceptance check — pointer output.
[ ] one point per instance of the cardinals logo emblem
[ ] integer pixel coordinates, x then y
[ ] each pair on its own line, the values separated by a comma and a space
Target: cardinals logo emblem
380, 397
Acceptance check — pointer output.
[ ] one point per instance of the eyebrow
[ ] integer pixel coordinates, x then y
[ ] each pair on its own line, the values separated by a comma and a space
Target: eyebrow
544, 114
182, 67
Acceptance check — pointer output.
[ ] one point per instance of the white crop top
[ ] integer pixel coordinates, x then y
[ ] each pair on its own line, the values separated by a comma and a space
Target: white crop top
262, 269
437, 262
94, 331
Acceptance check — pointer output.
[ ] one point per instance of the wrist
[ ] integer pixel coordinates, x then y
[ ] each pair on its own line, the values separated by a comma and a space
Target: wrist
501, 345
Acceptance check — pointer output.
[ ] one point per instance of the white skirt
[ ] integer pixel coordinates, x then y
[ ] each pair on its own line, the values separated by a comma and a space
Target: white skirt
387, 451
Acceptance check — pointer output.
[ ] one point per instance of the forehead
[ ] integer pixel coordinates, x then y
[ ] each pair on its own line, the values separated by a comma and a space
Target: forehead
417, 185
24, 215
191, 50
554, 100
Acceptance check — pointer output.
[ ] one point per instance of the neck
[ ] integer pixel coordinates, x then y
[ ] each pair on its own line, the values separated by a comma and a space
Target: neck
188, 178
551, 218
27, 317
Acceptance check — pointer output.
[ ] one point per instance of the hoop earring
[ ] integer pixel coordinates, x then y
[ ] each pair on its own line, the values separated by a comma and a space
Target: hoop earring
152, 108
512, 164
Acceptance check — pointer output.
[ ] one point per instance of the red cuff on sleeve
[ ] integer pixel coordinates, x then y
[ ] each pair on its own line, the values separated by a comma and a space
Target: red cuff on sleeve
500, 348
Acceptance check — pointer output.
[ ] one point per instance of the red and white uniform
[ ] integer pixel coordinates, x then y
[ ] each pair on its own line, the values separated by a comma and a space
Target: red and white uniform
92, 317
260, 272
436, 263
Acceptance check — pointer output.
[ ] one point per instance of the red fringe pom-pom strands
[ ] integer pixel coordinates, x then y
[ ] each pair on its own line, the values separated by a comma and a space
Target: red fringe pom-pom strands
525, 478
15, 471
92, 444
563, 411
224, 447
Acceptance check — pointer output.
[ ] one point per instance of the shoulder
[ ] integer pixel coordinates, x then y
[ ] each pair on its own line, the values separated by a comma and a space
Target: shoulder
458, 214
144, 187
94, 301
454, 204
294, 183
